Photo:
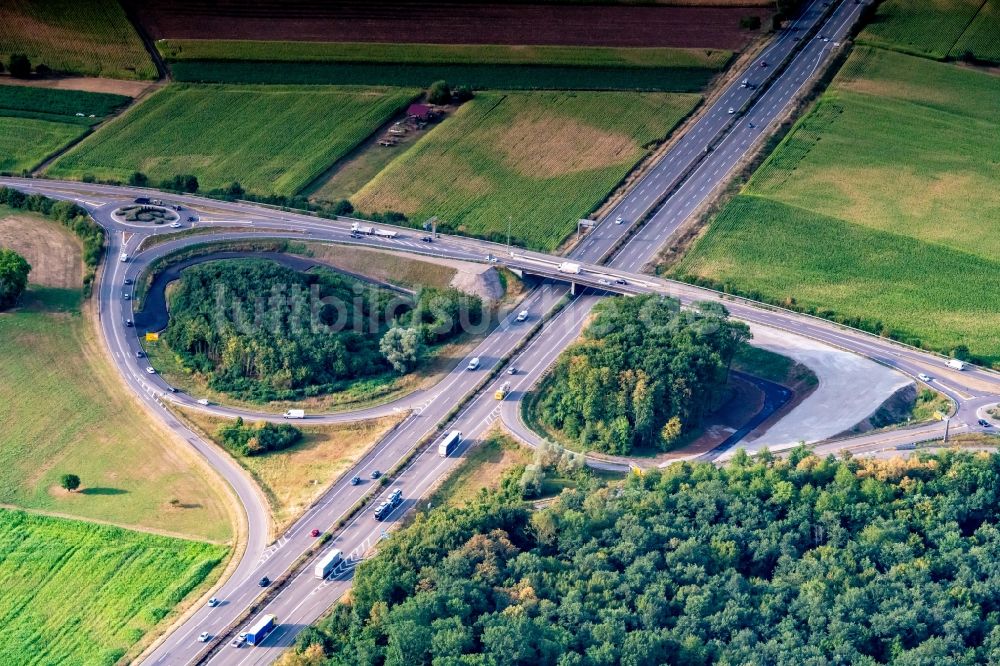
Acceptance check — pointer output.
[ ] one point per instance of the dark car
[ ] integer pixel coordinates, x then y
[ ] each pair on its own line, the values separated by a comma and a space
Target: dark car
985, 423
314, 533
140, 354
192, 218
620, 281
128, 323
376, 474
355, 480
127, 281
427, 239
763, 63
264, 582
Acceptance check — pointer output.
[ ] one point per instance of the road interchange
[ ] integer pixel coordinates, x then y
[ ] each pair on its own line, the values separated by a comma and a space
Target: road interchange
686, 177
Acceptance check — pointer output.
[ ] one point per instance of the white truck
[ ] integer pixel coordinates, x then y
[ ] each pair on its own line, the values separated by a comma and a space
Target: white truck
386, 233
326, 565
295, 414
449, 443
124, 256
359, 228
522, 315
956, 364
569, 267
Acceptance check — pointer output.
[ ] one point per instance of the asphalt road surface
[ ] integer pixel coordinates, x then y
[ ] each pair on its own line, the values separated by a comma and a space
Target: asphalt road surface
682, 180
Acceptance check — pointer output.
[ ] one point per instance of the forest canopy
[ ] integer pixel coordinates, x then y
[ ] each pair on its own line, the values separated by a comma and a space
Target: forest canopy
643, 375
261, 331
801, 561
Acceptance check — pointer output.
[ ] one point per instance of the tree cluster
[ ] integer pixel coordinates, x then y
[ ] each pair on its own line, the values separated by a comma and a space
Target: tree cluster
14, 271
251, 440
71, 216
805, 561
644, 374
261, 331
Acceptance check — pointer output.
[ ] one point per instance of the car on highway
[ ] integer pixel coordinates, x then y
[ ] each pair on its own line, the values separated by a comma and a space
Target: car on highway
128, 323
192, 218
763, 64
522, 315
604, 282
150, 370
238, 641
924, 377
355, 480
984, 423
126, 296
203, 401
204, 636
427, 239
175, 225
511, 370
140, 354
751, 125
620, 281
314, 533
213, 602
473, 364
375, 474
619, 219
264, 582
744, 83
731, 111
127, 281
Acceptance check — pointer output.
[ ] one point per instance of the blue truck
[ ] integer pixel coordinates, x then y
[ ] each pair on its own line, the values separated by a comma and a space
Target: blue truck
260, 630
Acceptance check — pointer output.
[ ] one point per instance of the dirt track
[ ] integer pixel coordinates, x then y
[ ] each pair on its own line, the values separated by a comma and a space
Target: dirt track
451, 23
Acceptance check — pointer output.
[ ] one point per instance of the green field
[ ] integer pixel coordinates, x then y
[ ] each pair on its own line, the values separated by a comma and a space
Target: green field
79, 593
92, 38
544, 159
272, 139
37, 122
880, 208
479, 66
937, 29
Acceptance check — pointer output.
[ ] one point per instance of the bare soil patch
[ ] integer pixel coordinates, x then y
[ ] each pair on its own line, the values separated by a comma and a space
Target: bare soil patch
444, 22
53, 252
87, 83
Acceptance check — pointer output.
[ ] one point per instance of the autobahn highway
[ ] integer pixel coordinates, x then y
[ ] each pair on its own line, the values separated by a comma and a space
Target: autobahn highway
687, 173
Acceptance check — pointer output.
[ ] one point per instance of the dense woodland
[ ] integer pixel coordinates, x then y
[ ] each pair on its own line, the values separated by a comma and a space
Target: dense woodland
261, 331
801, 561
643, 376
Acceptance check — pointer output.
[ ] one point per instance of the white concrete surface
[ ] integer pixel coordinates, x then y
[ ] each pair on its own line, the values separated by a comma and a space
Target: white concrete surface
851, 389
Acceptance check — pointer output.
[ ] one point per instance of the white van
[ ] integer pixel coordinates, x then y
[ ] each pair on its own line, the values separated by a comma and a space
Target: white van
473, 364
956, 364
522, 315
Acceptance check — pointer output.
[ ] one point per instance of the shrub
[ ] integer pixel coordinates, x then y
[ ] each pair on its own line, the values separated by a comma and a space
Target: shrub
439, 93
20, 66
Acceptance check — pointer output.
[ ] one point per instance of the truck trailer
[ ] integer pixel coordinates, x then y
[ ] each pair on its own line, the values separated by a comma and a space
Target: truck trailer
259, 631
569, 267
449, 443
385, 233
328, 563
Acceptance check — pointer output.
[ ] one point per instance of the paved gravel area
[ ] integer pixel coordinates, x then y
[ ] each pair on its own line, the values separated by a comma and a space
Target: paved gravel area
850, 389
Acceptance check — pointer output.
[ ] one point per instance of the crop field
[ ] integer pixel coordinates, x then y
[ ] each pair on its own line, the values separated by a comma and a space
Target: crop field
478, 66
92, 38
880, 206
272, 139
544, 160
63, 410
37, 122
80, 593
938, 28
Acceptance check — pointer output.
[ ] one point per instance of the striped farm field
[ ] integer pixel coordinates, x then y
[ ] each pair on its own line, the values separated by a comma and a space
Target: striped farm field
543, 159
937, 28
271, 139
37, 122
92, 38
80, 593
881, 207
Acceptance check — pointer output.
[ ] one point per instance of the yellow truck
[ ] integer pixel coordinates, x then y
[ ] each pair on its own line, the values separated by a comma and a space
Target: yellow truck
502, 391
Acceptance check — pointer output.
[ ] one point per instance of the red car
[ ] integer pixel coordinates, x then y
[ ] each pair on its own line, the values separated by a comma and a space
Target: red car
314, 533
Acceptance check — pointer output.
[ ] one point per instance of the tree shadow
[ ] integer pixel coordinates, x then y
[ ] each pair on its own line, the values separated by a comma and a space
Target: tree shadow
103, 491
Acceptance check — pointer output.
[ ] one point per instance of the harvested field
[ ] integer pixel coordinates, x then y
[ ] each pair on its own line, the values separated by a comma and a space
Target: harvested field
272, 140
880, 208
52, 250
92, 38
439, 22
543, 159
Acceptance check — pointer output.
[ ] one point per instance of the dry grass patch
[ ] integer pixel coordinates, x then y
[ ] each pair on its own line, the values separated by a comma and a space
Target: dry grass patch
295, 478
398, 269
548, 147
483, 468
52, 250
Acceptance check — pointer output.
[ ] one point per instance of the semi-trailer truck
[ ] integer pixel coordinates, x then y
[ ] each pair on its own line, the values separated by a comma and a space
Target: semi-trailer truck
362, 229
386, 233
449, 443
259, 631
569, 267
328, 563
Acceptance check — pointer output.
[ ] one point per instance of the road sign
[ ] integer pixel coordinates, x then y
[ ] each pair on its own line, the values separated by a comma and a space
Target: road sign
152, 337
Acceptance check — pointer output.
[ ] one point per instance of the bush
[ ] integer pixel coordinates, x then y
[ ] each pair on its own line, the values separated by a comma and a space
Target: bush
439, 93
261, 438
19, 66
181, 183
14, 271
750, 23
43, 70
138, 179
